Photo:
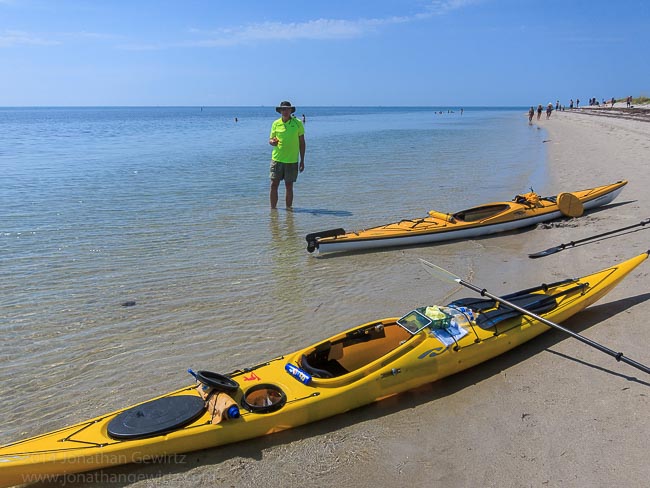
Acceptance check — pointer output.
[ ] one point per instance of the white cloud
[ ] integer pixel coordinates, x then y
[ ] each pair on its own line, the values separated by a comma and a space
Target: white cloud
320, 29
444, 6
10, 38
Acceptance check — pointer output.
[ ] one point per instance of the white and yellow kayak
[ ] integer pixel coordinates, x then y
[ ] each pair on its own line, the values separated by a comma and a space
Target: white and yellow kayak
358, 366
490, 218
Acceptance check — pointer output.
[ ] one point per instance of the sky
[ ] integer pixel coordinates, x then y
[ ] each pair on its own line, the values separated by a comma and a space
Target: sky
321, 53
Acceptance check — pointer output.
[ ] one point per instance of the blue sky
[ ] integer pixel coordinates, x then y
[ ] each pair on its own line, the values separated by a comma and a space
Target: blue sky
380, 52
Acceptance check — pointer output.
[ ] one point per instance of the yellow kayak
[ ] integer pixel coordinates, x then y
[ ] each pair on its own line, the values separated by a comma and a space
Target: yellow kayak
358, 366
490, 218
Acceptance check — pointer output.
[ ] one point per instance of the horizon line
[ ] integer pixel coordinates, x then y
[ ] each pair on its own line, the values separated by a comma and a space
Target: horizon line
261, 106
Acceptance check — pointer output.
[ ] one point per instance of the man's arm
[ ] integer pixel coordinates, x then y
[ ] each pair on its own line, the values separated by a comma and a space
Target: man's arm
303, 146
273, 140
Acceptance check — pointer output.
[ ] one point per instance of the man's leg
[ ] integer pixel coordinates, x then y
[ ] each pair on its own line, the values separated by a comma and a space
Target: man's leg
289, 195
274, 193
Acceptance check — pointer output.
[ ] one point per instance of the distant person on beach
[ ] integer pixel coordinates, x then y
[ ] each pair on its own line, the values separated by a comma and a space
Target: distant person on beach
549, 109
629, 101
557, 105
303, 118
288, 140
531, 113
577, 102
571, 104
539, 111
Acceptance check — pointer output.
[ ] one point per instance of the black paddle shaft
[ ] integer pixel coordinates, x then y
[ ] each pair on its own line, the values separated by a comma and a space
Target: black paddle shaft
619, 356
561, 247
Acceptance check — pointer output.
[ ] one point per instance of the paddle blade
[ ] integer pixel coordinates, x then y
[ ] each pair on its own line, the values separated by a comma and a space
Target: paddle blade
546, 252
440, 273
570, 205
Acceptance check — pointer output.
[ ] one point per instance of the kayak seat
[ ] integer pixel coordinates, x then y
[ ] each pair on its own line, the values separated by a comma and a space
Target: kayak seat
536, 304
313, 370
330, 369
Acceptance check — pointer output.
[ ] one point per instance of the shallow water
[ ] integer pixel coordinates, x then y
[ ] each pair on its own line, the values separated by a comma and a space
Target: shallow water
168, 208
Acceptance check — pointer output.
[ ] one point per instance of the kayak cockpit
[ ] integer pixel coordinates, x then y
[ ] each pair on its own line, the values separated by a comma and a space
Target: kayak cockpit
481, 212
354, 350
371, 346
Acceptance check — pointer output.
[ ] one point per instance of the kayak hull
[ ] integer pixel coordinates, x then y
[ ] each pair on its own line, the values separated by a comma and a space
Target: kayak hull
436, 228
377, 360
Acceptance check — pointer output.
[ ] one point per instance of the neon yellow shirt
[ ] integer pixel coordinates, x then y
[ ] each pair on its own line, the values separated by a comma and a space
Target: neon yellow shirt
288, 148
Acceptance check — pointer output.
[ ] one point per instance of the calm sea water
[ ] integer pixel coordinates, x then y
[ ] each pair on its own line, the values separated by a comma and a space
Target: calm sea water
168, 208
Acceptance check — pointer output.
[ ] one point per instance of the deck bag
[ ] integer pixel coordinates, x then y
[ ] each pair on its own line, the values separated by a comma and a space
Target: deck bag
204, 390
221, 407
440, 319
531, 198
449, 325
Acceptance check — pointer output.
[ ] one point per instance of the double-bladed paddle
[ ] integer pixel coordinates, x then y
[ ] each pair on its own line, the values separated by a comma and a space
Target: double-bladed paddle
562, 247
441, 273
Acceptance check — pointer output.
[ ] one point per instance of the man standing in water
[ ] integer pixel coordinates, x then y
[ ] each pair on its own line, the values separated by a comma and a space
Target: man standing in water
288, 140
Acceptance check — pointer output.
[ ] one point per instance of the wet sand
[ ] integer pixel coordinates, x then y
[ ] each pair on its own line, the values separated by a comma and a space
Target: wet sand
553, 412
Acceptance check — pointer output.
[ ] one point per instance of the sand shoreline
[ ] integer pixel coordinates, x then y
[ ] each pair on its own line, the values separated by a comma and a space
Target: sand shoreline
594, 426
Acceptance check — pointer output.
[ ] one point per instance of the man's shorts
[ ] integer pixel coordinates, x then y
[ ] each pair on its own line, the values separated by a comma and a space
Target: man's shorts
284, 171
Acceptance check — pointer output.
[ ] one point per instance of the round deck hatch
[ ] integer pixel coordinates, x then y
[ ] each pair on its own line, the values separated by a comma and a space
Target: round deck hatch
156, 417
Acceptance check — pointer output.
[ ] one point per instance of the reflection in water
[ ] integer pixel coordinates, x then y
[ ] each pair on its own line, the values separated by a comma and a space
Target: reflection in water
322, 211
285, 260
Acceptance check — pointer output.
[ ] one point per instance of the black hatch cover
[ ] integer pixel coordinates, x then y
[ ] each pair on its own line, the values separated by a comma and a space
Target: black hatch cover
156, 417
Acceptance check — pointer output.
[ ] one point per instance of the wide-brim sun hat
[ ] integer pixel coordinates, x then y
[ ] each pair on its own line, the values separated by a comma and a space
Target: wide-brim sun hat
285, 104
